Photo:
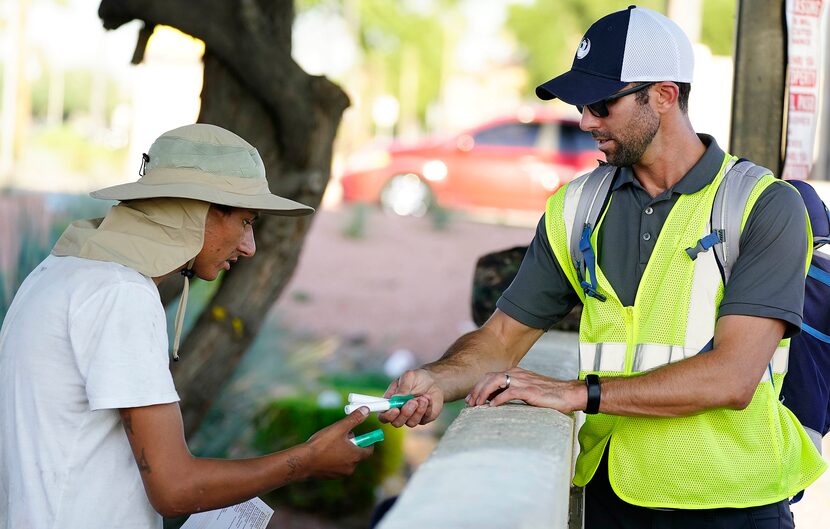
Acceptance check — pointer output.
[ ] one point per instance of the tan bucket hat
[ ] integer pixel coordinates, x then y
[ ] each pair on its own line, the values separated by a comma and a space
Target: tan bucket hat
209, 163
159, 225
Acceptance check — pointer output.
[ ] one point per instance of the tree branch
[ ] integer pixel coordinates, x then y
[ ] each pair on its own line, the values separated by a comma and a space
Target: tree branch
244, 43
144, 35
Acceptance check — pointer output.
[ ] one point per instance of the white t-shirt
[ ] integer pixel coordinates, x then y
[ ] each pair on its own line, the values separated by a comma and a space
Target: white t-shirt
81, 339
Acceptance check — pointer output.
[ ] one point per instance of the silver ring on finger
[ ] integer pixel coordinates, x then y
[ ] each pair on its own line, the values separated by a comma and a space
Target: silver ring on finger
506, 381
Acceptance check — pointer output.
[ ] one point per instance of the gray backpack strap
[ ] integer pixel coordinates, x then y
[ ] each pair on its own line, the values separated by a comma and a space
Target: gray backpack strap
590, 196
728, 210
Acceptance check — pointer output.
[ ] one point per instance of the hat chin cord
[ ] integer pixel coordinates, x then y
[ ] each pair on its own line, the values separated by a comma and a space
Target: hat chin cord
187, 273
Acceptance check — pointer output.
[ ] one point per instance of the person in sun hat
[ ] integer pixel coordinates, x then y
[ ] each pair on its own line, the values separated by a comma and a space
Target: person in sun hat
679, 368
90, 427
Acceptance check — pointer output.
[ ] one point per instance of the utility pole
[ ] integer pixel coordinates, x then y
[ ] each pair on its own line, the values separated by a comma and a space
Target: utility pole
758, 97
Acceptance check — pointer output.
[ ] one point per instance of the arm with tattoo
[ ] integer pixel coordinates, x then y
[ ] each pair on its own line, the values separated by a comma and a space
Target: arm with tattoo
178, 483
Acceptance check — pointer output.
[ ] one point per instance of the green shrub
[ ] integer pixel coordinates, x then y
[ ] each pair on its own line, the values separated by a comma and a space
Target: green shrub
291, 421
440, 217
357, 222
367, 382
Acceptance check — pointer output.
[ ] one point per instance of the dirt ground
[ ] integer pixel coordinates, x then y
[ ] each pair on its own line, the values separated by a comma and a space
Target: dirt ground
403, 285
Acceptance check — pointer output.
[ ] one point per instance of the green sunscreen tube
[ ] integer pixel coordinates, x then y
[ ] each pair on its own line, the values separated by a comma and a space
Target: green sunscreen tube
368, 439
399, 400
379, 405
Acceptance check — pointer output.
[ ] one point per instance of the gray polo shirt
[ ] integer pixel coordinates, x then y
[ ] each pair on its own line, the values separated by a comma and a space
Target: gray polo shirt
767, 279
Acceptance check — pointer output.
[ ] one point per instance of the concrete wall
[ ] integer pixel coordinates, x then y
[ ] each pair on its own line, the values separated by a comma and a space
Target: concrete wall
501, 467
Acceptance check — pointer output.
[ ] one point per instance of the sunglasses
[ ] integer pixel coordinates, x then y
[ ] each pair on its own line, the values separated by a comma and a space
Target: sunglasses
600, 108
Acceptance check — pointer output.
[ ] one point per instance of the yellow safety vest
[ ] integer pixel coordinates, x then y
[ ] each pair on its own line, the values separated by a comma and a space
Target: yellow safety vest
718, 458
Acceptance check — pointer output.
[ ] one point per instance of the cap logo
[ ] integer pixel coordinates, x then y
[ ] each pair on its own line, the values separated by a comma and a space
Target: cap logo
584, 48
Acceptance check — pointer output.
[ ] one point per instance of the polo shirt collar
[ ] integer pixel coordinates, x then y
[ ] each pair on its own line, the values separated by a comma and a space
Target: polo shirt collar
699, 176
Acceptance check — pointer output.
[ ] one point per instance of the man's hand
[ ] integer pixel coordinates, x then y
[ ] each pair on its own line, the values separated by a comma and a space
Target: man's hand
333, 455
424, 408
565, 396
178, 483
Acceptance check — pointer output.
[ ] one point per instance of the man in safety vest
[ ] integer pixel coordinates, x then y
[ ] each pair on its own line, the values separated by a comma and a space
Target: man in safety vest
680, 369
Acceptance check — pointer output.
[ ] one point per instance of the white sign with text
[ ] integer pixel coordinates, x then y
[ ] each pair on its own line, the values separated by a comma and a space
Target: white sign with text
804, 19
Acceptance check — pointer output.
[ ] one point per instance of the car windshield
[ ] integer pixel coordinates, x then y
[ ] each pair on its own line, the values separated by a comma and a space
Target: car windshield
572, 139
509, 134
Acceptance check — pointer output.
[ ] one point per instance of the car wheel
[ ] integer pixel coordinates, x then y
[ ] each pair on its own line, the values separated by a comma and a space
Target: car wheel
406, 195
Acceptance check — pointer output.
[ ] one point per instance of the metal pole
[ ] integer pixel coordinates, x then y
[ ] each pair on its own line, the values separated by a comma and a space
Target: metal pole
821, 168
758, 98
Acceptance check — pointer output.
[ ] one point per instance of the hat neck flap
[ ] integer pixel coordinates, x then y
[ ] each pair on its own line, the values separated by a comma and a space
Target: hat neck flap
152, 236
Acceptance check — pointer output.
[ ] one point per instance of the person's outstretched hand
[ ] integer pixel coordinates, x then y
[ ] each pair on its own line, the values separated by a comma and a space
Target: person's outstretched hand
332, 454
424, 408
565, 396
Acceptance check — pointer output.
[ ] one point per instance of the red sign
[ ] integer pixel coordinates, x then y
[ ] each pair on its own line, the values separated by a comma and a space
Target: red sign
802, 103
809, 8
803, 77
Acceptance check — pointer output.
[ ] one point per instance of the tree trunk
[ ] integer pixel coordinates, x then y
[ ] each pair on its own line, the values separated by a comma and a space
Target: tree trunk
253, 88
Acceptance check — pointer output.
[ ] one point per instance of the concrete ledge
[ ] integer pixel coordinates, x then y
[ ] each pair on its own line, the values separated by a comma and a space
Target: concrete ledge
499, 467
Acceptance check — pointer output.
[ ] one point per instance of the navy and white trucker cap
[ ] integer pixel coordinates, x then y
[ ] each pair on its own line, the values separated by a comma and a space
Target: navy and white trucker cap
633, 45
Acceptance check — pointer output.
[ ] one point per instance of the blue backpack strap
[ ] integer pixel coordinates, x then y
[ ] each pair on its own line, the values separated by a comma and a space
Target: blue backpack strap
705, 243
718, 234
728, 210
596, 189
590, 263
819, 275
823, 277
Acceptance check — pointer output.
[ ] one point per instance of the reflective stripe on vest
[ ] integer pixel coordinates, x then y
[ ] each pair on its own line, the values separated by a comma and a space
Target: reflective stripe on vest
610, 358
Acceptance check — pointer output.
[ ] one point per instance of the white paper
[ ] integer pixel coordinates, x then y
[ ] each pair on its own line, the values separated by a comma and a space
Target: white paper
804, 20
253, 514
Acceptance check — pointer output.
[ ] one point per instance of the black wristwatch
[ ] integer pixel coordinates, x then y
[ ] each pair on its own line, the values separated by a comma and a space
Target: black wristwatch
592, 382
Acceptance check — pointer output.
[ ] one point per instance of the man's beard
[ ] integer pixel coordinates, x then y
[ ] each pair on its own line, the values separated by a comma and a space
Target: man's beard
631, 146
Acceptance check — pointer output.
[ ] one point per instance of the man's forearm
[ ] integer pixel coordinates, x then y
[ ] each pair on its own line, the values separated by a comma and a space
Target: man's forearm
178, 483
496, 346
207, 484
466, 361
685, 388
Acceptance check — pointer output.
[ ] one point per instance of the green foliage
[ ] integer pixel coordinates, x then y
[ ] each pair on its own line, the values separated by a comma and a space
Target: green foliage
367, 382
78, 153
396, 38
440, 217
549, 31
291, 421
718, 31
357, 221
402, 39
76, 97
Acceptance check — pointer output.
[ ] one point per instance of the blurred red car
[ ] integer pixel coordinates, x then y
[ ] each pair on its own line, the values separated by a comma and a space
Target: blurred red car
513, 163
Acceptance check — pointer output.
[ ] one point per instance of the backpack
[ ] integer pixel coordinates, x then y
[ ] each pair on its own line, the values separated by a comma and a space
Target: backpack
806, 387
